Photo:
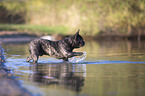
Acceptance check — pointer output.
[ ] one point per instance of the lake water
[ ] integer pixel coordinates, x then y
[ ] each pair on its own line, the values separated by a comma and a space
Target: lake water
111, 68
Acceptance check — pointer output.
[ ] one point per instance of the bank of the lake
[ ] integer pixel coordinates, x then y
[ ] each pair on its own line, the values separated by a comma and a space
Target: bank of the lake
21, 36
8, 85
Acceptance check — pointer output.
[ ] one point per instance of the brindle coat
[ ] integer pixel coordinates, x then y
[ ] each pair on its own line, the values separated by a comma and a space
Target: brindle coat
62, 49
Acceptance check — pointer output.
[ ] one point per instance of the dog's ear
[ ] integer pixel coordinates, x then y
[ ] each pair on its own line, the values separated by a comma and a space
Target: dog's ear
77, 33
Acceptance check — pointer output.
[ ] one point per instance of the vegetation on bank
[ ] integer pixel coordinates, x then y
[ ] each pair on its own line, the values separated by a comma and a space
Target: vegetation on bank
122, 17
36, 29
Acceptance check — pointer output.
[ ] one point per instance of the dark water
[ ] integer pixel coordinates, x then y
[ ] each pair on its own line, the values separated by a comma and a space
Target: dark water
110, 69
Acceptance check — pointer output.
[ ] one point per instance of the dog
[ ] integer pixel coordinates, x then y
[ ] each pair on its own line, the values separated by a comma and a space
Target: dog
62, 49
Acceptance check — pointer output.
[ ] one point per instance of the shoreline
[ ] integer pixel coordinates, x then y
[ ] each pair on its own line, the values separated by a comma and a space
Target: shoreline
20, 37
8, 85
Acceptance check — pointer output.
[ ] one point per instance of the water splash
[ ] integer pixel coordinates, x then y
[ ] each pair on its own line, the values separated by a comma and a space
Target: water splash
77, 59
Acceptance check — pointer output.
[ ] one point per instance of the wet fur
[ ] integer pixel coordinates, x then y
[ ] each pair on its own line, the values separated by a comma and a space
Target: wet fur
62, 49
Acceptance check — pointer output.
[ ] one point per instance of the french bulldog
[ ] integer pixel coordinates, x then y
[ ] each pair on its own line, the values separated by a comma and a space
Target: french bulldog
62, 49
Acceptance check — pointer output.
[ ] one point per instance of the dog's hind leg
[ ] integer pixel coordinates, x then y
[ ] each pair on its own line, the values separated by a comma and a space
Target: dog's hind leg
34, 55
35, 58
29, 58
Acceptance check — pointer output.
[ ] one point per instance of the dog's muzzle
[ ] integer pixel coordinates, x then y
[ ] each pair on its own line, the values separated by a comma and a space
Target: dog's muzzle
83, 43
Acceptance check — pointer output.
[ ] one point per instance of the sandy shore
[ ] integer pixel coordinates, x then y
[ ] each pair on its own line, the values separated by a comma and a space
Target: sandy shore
8, 85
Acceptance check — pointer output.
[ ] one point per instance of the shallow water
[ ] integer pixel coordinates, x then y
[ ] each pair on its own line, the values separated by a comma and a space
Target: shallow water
109, 69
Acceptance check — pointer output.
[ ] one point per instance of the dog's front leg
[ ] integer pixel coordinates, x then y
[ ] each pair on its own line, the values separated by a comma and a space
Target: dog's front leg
69, 55
77, 53
65, 59
74, 54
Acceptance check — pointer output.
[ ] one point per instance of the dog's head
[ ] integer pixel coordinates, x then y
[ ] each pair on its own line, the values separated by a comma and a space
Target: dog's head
77, 40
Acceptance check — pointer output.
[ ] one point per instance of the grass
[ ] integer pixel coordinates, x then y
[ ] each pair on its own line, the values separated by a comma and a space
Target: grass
93, 17
36, 29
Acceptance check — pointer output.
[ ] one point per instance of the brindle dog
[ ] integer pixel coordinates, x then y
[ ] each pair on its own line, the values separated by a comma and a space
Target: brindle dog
62, 49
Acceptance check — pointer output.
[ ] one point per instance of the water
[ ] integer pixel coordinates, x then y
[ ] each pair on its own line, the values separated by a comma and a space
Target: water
109, 69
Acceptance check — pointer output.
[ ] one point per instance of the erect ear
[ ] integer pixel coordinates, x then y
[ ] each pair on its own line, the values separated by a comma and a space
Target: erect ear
77, 33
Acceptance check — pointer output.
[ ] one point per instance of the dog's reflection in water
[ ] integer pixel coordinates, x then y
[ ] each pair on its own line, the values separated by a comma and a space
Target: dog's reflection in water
60, 74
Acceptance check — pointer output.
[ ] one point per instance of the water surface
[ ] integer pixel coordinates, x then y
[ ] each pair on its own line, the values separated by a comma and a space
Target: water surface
110, 69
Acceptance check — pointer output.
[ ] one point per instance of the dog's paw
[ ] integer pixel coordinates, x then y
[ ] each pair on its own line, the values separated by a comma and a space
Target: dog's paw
80, 53
28, 59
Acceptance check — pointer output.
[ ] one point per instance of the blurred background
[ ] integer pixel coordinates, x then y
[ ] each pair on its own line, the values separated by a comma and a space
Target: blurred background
114, 65
94, 17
